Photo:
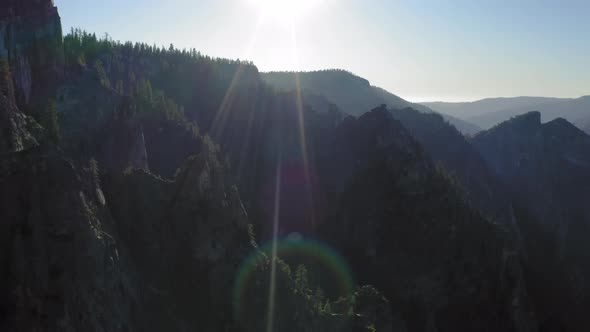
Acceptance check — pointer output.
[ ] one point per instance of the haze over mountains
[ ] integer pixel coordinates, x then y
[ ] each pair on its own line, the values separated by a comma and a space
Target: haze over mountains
487, 113
351, 93
156, 189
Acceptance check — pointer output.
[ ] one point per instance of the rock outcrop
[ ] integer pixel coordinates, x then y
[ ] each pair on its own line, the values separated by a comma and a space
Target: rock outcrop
584, 125
451, 150
406, 229
546, 168
186, 237
31, 40
61, 266
15, 128
124, 143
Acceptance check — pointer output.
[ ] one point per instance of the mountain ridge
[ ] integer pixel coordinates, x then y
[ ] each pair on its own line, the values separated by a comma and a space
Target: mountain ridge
168, 190
490, 111
351, 93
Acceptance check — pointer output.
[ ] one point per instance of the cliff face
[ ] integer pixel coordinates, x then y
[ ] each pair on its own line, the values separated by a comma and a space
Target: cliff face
584, 125
406, 229
124, 144
31, 40
59, 256
380, 201
15, 127
446, 146
532, 158
546, 168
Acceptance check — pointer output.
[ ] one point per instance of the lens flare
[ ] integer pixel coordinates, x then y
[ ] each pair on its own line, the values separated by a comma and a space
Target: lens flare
274, 249
335, 271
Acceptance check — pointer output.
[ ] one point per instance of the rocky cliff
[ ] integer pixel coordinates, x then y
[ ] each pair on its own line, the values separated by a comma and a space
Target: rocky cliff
584, 125
407, 229
31, 40
153, 210
546, 168
16, 129
453, 152
61, 264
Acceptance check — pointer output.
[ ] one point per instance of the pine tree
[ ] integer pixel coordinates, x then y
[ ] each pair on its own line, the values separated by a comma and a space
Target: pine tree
6, 87
49, 120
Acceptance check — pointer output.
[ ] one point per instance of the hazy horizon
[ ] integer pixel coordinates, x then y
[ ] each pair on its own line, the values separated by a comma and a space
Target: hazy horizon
422, 51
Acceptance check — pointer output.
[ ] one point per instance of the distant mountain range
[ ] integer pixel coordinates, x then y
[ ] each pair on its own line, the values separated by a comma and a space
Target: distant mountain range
352, 94
486, 113
584, 124
149, 189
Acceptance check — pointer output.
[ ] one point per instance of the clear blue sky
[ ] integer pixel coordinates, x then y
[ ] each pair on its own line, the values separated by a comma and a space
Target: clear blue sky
420, 50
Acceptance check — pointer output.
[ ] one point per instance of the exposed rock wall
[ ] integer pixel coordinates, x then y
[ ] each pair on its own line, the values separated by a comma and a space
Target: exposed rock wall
124, 146
61, 268
31, 40
15, 127
406, 229
546, 168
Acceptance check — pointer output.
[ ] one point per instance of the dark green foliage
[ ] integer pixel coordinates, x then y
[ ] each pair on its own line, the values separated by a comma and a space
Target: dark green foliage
545, 168
298, 308
6, 86
49, 119
101, 74
179, 74
168, 234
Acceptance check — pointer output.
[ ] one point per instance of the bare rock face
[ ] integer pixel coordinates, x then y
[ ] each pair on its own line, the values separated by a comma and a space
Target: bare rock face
546, 168
31, 40
15, 127
442, 265
445, 145
123, 143
584, 124
186, 237
61, 268
125, 147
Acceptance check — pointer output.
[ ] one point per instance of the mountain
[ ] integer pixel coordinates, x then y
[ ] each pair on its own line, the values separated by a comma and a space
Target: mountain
584, 124
444, 144
31, 36
399, 222
546, 168
489, 112
352, 94
15, 128
161, 177
150, 189
481, 107
456, 156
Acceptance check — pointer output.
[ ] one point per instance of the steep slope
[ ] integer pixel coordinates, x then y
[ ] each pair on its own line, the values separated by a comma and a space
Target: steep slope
62, 270
172, 231
154, 235
547, 169
16, 129
489, 112
31, 41
315, 155
448, 148
407, 229
352, 94
366, 187
584, 124
94, 242
145, 254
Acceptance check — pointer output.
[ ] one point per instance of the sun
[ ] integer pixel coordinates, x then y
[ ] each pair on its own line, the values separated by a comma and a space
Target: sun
284, 10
